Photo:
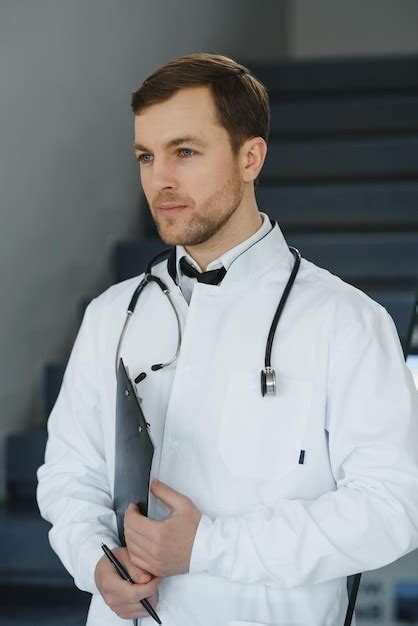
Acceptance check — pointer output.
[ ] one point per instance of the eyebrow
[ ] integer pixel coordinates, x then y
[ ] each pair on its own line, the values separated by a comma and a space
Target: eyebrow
177, 141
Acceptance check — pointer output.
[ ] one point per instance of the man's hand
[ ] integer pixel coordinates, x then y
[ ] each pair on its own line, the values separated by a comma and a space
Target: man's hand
122, 596
163, 547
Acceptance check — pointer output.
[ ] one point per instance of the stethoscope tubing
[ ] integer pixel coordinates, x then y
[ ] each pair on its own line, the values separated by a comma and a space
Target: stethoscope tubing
269, 345
148, 278
268, 377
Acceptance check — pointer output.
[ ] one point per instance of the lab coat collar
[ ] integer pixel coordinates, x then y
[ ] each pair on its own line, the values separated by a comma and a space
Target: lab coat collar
265, 254
269, 251
171, 264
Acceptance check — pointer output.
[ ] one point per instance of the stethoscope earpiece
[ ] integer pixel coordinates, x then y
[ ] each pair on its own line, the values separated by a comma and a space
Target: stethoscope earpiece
143, 375
140, 377
268, 382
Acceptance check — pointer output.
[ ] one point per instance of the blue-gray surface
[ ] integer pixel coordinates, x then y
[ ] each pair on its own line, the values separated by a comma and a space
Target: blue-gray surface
42, 616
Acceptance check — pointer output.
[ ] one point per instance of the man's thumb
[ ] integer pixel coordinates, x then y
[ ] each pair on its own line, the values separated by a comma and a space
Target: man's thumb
168, 496
141, 577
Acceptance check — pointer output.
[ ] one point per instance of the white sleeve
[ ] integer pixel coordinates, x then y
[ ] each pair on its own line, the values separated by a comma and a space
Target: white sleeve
371, 519
73, 488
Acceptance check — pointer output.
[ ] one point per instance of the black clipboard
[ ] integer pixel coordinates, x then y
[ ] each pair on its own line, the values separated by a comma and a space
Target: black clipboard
134, 451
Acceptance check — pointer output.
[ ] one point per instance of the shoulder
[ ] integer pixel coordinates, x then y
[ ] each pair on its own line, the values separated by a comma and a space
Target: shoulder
116, 298
346, 306
116, 295
350, 300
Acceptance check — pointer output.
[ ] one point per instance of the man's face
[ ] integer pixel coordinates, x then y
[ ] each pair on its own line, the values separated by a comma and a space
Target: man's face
186, 161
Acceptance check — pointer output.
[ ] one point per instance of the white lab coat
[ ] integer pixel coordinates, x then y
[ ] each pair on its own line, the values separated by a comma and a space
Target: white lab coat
277, 537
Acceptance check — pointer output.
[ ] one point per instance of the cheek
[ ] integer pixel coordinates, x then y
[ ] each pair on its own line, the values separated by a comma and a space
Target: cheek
211, 180
144, 180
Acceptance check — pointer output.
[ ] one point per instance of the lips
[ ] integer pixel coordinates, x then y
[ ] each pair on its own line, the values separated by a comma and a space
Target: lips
168, 207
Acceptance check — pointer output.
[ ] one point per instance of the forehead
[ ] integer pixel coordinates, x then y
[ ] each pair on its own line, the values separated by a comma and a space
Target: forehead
190, 111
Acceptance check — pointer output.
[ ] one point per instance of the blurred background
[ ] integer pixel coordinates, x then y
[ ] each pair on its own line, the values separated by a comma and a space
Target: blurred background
341, 178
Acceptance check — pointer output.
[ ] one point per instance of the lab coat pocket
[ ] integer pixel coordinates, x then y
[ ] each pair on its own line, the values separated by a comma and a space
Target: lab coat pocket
262, 437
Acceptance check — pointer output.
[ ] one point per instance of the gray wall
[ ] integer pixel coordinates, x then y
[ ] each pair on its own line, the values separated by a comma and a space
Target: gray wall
321, 28
68, 182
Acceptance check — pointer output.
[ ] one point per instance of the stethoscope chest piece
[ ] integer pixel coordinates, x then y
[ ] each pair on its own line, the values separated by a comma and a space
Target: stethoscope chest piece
268, 382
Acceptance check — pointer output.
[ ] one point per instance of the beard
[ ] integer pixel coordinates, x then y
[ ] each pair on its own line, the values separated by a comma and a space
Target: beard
196, 227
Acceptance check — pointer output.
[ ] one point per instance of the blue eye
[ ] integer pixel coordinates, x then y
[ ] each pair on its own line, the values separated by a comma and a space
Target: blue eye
147, 158
141, 158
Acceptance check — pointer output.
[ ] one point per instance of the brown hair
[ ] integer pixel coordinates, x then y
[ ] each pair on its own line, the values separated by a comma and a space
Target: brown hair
241, 100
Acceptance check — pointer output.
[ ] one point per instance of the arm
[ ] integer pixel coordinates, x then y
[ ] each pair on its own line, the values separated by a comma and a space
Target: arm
73, 490
372, 517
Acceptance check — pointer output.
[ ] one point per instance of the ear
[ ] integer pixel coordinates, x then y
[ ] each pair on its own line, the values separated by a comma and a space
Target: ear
252, 156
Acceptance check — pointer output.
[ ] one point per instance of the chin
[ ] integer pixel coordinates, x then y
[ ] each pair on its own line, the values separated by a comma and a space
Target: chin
185, 233
170, 238
180, 240
172, 235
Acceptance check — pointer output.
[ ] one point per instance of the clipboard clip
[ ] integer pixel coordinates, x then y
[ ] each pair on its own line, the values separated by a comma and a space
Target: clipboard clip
128, 393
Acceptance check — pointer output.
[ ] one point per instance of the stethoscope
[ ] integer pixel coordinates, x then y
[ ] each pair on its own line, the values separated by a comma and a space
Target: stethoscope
268, 375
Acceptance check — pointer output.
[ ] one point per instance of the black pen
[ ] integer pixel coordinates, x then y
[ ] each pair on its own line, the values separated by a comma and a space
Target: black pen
124, 574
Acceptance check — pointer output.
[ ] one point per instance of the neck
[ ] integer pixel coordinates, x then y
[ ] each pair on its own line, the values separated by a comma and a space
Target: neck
237, 230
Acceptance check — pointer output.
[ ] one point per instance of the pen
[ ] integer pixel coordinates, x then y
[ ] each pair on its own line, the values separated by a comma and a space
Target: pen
124, 574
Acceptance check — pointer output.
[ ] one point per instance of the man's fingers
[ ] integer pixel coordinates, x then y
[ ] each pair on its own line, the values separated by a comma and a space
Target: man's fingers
144, 559
118, 591
122, 596
138, 575
116, 585
134, 610
131, 594
172, 499
137, 523
139, 592
153, 600
136, 541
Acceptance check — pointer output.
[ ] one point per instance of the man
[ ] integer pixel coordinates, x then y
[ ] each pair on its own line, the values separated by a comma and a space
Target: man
263, 504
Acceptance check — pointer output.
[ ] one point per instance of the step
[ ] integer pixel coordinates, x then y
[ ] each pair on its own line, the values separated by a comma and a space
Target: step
373, 159
360, 75
360, 207
24, 454
130, 258
382, 258
27, 557
43, 606
299, 114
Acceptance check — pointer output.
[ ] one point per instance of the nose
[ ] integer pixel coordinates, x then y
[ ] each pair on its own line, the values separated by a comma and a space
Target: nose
162, 175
